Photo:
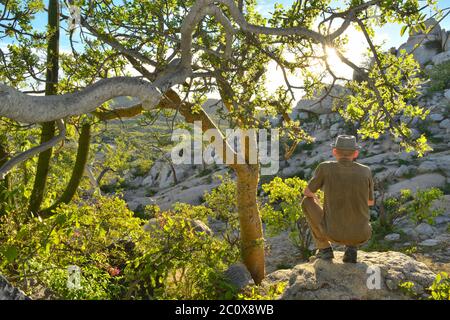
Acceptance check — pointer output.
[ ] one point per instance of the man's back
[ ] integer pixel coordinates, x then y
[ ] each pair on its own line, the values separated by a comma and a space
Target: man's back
347, 186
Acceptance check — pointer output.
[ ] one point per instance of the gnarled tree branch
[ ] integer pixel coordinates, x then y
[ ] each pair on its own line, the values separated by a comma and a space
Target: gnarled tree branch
33, 151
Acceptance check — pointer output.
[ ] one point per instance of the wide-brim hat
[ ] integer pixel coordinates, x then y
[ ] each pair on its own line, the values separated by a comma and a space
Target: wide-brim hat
346, 142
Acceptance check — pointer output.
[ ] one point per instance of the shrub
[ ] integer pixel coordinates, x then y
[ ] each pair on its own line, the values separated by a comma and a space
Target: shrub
178, 262
117, 258
440, 289
420, 208
417, 206
97, 237
439, 77
222, 202
287, 195
270, 292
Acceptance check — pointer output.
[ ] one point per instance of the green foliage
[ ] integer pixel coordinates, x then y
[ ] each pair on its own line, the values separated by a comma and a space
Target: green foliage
270, 292
420, 208
118, 259
417, 206
439, 77
177, 261
284, 212
440, 289
407, 287
97, 237
375, 104
379, 231
222, 202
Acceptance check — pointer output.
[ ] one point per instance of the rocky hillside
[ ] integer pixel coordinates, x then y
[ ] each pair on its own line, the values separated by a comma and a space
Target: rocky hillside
393, 171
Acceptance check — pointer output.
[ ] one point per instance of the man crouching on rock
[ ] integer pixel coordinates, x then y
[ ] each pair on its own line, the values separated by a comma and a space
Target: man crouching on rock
348, 193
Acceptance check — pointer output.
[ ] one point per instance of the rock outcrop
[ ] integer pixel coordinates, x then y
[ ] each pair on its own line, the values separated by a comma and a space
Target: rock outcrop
323, 103
377, 275
424, 46
9, 292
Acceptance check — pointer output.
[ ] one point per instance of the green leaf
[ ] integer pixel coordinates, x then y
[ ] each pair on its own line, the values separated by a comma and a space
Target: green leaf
403, 30
11, 253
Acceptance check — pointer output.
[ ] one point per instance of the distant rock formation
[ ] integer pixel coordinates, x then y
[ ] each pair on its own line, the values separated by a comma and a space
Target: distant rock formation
425, 47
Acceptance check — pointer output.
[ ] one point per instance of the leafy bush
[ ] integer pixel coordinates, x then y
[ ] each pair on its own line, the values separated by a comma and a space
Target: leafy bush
222, 202
417, 206
420, 208
177, 261
270, 292
440, 289
97, 237
287, 195
439, 77
117, 258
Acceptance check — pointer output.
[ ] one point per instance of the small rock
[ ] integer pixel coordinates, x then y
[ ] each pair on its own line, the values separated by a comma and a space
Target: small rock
427, 166
334, 129
8, 292
425, 229
447, 94
392, 237
403, 170
238, 275
429, 243
436, 117
411, 233
303, 115
441, 219
148, 181
445, 124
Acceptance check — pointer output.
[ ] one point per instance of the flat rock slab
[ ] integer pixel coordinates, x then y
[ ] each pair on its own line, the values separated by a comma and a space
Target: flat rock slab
377, 275
423, 181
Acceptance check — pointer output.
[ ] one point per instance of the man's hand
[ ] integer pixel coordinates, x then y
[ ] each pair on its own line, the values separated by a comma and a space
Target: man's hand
371, 202
308, 193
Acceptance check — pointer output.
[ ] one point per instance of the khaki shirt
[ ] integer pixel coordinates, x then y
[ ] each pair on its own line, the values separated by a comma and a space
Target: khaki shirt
347, 186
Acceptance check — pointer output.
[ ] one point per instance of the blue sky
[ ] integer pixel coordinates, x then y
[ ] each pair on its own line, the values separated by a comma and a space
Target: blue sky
389, 33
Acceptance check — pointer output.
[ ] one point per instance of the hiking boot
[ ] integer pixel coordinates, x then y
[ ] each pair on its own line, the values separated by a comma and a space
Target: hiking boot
325, 254
350, 255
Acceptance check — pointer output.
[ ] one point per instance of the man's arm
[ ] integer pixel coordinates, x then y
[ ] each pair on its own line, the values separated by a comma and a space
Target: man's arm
309, 194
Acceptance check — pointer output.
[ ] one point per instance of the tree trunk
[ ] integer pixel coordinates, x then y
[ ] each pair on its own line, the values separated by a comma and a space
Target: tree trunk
78, 170
252, 241
48, 128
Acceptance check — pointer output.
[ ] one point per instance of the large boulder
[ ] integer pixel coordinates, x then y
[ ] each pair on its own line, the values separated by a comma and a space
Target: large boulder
9, 292
441, 58
321, 104
423, 181
446, 40
376, 276
424, 46
433, 28
161, 174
